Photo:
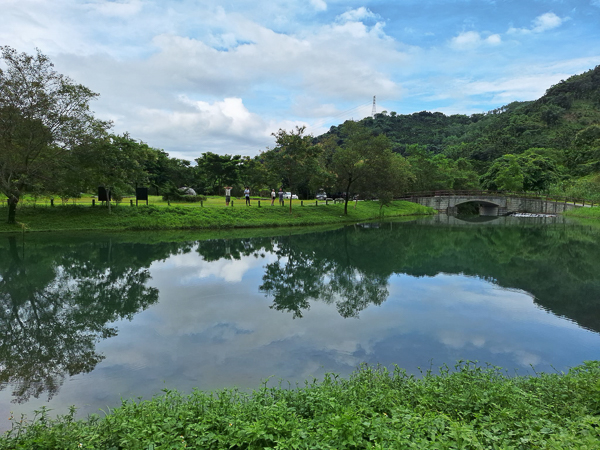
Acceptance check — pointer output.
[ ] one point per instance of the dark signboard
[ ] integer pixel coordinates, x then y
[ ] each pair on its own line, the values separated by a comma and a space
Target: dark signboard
141, 193
102, 197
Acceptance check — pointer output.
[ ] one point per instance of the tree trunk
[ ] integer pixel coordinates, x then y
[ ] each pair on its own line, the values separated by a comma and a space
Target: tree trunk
108, 200
12, 208
347, 198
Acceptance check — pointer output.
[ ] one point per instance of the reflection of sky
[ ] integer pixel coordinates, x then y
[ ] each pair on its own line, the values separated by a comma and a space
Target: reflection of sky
213, 328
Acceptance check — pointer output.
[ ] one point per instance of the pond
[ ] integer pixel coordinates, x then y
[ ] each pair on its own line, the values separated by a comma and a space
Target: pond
89, 319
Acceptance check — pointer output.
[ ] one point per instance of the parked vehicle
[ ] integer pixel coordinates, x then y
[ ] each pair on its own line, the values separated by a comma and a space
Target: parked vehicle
321, 195
288, 195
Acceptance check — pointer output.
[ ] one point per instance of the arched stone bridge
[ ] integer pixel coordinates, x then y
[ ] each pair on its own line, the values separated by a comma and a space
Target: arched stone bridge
492, 203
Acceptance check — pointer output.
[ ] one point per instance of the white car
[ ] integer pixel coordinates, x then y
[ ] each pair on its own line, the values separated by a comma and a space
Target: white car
289, 195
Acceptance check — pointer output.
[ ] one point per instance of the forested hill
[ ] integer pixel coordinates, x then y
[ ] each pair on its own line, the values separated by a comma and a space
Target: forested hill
565, 122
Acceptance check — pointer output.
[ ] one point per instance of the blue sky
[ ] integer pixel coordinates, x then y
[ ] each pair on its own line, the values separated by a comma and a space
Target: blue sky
191, 76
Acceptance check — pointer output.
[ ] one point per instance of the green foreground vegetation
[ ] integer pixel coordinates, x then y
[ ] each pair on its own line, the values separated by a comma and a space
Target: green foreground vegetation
470, 407
214, 215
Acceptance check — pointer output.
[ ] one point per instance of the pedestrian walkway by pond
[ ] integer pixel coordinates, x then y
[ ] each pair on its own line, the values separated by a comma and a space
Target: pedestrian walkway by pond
88, 319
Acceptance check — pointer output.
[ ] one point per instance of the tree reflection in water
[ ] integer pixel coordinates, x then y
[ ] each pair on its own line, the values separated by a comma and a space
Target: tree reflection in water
351, 267
58, 301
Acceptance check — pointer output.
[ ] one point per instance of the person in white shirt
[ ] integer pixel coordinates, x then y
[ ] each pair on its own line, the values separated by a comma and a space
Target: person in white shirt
273, 197
247, 195
227, 195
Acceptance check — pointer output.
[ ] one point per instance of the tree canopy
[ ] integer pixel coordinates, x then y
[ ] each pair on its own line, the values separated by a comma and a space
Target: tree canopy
43, 116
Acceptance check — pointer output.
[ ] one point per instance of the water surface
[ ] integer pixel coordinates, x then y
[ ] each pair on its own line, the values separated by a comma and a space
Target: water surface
88, 319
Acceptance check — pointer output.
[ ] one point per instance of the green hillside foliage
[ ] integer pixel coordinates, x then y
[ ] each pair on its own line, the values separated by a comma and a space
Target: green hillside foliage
555, 140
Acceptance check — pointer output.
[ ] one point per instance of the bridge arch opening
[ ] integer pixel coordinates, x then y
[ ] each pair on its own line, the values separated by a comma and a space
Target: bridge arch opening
480, 207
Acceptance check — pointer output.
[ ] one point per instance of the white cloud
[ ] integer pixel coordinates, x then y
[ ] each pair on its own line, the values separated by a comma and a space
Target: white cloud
356, 15
227, 116
545, 22
230, 270
494, 39
319, 5
472, 39
531, 82
516, 82
272, 62
224, 126
126, 8
191, 96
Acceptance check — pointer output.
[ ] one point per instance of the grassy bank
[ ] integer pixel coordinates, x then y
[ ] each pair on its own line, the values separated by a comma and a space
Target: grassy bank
210, 216
586, 213
467, 408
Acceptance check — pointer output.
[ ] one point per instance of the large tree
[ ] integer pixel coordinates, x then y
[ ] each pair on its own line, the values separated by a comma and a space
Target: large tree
218, 170
43, 116
363, 163
294, 159
165, 172
534, 170
114, 162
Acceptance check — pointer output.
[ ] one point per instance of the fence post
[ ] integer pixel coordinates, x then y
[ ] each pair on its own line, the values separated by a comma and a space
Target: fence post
259, 203
130, 202
93, 202
316, 202
51, 202
301, 202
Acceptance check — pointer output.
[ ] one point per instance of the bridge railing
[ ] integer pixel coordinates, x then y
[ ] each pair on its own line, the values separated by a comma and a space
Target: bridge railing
488, 193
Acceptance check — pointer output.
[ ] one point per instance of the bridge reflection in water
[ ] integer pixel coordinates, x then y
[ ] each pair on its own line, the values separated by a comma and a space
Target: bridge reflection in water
450, 219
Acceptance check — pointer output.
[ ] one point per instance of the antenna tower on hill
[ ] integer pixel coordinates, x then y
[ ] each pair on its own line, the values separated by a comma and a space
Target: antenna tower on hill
374, 109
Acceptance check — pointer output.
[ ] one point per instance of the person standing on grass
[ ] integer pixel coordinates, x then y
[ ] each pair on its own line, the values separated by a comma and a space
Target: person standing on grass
281, 197
227, 195
247, 195
273, 197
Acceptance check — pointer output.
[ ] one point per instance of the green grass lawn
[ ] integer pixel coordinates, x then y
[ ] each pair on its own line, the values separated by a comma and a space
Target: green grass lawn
213, 214
588, 213
155, 200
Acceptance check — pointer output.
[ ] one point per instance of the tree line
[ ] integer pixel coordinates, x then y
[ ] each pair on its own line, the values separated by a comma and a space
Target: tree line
52, 145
